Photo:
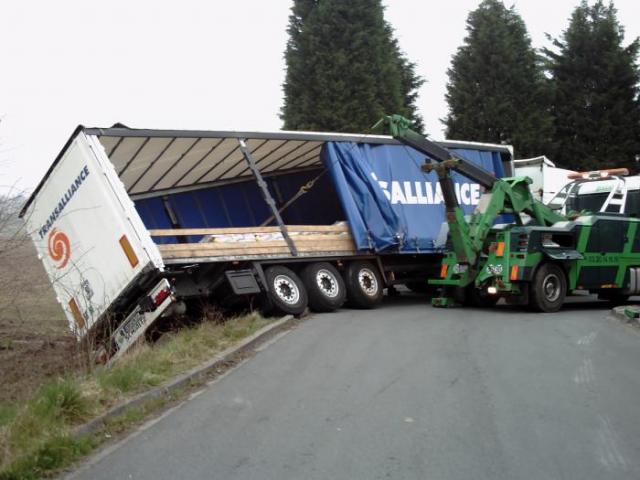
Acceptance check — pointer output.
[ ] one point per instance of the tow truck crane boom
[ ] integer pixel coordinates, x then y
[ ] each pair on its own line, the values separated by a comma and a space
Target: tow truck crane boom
508, 195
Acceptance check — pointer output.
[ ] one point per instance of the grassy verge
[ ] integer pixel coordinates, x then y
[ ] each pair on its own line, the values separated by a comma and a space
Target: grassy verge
35, 439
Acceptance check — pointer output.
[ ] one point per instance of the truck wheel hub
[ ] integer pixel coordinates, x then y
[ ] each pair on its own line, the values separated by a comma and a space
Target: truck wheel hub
327, 283
367, 281
286, 289
551, 287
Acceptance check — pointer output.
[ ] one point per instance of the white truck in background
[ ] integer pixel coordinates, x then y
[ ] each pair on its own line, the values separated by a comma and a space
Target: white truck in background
549, 181
546, 178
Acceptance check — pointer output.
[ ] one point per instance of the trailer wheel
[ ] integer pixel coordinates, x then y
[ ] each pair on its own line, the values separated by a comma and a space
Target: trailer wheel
548, 288
325, 287
287, 294
364, 285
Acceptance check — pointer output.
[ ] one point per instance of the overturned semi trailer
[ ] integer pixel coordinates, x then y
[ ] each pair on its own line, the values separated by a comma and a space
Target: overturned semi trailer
130, 222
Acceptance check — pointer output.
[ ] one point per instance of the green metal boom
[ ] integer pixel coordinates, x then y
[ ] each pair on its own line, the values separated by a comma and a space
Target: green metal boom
503, 196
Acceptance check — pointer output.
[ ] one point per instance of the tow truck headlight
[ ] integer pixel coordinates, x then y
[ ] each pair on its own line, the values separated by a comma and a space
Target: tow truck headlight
460, 268
494, 269
492, 290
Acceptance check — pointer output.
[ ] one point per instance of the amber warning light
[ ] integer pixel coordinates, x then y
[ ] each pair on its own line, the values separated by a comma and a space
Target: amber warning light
599, 173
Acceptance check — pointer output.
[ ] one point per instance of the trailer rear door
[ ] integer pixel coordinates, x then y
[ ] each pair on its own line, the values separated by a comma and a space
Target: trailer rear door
87, 232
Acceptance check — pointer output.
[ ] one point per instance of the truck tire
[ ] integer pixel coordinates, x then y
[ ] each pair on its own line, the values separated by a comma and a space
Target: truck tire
287, 294
325, 287
548, 288
364, 285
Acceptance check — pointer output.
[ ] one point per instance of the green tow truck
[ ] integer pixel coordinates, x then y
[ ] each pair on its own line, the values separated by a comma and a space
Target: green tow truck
546, 251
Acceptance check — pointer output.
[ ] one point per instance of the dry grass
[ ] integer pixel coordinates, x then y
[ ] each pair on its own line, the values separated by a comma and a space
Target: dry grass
27, 302
35, 342
44, 390
35, 436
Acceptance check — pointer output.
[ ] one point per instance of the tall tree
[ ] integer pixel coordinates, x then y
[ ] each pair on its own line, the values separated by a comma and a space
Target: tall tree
497, 91
345, 69
596, 109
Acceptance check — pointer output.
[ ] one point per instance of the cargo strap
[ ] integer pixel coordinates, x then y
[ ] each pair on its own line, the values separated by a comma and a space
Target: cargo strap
303, 189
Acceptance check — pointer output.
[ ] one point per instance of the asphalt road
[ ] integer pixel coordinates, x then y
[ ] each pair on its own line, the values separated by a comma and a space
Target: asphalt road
411, 392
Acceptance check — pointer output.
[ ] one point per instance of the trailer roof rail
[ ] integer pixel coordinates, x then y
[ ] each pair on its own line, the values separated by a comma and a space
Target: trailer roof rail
153, 162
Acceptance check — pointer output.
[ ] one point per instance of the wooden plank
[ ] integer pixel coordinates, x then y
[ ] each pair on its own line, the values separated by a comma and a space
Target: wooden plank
302, 240
208, 250
215, 246
327, 237
323, 237
227, 253
179, 232
257, 255
316, 256
307, 238
338, 245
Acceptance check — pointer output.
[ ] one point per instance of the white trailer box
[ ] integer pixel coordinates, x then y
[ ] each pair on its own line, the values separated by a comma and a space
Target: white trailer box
88, 234
547, 179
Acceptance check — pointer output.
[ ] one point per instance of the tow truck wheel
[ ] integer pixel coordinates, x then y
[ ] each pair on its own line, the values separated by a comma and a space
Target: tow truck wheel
548, 288
325, 287
364, 285
287, 294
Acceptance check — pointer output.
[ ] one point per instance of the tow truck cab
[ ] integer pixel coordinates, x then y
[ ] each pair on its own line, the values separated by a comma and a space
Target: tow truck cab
598, 252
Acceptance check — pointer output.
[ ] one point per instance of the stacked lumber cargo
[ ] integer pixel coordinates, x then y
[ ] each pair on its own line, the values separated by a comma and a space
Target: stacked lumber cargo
251, 242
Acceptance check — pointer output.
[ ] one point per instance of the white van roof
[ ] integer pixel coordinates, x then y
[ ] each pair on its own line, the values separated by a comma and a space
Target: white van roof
597, 186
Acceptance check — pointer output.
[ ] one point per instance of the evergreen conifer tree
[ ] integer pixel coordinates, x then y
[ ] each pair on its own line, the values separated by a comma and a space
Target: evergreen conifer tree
345, 69
497, 91
596, 109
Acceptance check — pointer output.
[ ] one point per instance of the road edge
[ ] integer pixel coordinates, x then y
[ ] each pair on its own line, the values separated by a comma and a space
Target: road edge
191, 376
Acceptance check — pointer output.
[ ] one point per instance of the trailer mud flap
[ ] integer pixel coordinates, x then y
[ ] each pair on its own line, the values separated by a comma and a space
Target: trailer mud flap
134, 326
243, 282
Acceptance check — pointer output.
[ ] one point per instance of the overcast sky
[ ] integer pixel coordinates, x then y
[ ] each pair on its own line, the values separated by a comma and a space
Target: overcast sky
193, 64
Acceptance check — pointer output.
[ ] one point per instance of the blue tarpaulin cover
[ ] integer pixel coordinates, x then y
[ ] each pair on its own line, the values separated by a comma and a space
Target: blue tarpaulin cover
390, 204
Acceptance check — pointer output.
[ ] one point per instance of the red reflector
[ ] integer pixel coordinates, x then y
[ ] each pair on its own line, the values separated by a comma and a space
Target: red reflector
514, 273
443, 270
161, 296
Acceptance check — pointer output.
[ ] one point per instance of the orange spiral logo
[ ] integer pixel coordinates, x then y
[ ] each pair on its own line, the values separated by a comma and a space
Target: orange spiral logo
59, 248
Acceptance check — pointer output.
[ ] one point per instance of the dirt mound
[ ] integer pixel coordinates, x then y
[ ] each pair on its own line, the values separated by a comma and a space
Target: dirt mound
35, 343
26, 361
